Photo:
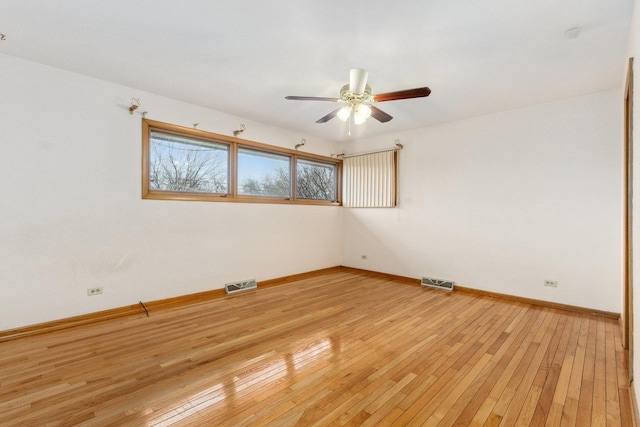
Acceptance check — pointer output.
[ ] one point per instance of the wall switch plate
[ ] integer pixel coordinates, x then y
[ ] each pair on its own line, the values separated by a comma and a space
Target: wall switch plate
94, 291
551, 283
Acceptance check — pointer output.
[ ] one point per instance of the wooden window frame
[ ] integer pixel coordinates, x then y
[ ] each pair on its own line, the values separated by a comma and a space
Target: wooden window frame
234, 144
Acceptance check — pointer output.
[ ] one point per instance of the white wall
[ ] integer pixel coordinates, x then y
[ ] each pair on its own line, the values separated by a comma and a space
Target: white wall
505, 201
499, 202
72, 217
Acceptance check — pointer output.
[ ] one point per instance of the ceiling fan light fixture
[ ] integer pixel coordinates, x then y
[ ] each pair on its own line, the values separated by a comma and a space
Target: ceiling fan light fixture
344, 113
361, 113
356, 98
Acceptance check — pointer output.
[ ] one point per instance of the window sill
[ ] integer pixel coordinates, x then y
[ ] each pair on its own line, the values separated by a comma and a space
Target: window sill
200, 197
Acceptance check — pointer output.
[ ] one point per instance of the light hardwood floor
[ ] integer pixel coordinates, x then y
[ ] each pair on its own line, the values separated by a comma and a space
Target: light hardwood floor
337, 349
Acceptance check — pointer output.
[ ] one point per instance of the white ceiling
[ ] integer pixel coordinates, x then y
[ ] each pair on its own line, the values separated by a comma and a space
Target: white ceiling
244, 57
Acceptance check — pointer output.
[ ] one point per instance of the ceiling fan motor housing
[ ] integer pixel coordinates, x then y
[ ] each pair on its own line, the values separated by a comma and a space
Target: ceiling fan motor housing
355, 98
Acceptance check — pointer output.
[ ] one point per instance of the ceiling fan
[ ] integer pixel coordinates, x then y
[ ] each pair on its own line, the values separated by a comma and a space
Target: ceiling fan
358, 100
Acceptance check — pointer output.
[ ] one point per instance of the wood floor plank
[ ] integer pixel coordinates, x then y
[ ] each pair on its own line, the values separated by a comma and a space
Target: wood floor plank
341, 348
611, 377
570, 412
477, 409
599, 407
530, 354
556, 378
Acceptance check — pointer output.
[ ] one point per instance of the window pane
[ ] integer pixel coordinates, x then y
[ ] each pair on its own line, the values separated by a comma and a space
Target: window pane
315, 180
183, 164
263, 174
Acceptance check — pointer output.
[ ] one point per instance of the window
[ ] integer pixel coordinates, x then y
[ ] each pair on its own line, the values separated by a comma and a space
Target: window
315, 180
181, 164
188, 164
263, 174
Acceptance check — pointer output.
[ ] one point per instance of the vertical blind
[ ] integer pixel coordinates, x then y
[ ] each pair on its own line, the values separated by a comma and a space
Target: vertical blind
370, 180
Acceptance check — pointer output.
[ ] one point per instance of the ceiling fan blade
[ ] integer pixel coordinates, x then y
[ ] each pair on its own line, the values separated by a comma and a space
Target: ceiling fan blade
311, 98
358, 80
328, 117
379, 115
402, 94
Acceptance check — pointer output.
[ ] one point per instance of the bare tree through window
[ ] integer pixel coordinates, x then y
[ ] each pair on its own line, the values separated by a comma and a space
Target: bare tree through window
186, 165
264, 173
314, 180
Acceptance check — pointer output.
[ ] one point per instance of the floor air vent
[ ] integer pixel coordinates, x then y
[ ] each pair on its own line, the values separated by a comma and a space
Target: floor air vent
447, 285
242, 285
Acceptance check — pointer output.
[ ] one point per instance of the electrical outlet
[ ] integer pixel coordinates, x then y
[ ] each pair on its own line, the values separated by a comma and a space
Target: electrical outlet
551, 283
94, 291
364, 257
